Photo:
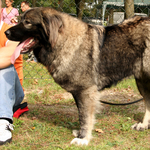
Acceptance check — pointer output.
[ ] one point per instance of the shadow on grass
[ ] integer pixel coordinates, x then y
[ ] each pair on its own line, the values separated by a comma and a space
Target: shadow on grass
67, 115
60, 115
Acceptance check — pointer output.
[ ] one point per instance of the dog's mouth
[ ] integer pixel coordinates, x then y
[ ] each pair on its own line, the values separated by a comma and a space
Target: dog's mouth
23, 47
27, 45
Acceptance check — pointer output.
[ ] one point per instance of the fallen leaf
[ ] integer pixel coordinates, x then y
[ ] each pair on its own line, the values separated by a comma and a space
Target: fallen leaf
33, 128
99, 130
35, 81
33, 118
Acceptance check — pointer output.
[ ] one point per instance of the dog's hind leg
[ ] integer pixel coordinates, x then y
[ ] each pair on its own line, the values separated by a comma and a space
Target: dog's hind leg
144, 88
87, 102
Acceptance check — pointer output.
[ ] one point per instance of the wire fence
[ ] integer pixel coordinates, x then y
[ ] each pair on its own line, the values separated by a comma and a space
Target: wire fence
98, 12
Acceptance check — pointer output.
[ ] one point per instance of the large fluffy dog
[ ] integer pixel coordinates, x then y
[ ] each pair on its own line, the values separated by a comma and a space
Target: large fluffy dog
84, 59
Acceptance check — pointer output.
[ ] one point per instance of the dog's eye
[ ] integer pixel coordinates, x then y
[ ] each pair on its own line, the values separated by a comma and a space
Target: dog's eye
27, 22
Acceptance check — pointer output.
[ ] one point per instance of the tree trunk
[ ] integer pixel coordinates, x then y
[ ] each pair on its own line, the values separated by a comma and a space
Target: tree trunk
60, 8
33, 3
79, 8
129, 8
3, 3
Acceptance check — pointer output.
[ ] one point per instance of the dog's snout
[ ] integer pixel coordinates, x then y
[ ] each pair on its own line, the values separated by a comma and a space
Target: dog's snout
8, 33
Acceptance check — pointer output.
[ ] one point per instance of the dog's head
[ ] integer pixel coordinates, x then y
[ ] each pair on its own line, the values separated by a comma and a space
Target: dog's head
38, 27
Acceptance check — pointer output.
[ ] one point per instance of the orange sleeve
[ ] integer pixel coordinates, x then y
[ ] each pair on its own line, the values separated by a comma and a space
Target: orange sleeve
19, 68
3, 38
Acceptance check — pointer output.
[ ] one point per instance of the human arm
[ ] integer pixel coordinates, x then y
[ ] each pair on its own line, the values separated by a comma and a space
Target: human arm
14, 19
2, 15
16, 13
6, 53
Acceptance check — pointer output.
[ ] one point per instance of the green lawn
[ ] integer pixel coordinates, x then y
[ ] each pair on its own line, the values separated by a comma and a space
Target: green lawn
53, 115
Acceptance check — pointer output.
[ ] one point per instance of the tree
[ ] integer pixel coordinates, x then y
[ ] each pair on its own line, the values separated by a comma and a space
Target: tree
79, 8
33, 3
129, 8
60, 2
3, 3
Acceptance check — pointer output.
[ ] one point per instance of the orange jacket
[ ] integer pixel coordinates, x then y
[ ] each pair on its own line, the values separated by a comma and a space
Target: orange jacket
3, 41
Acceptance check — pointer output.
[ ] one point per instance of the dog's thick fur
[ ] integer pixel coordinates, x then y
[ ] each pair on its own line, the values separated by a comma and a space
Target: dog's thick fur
84, 59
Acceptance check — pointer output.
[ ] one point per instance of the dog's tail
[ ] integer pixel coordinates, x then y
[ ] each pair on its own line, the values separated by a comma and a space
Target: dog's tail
109, 103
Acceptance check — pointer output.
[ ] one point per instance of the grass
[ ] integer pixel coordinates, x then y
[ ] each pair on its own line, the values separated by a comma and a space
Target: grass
53, 115
127, 84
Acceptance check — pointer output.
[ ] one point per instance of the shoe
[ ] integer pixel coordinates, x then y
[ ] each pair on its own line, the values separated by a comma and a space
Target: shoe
5, 131
20, 109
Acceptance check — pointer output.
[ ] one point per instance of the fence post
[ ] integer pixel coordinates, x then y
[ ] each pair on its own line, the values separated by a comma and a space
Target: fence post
111, 14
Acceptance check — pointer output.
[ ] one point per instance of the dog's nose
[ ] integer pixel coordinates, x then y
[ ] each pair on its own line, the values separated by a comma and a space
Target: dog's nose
7, 33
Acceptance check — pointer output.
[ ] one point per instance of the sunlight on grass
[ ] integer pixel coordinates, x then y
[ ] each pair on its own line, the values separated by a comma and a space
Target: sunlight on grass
128, 82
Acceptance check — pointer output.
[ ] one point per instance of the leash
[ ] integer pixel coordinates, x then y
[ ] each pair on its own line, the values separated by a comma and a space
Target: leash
109, 103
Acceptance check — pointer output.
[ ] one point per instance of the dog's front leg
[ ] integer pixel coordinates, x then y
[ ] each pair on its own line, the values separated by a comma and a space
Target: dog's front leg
87, 102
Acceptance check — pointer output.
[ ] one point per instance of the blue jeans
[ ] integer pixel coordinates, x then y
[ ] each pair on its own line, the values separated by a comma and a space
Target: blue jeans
11, 92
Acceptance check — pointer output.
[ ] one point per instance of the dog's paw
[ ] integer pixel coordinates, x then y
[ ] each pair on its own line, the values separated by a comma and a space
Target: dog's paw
79, 141
140, 126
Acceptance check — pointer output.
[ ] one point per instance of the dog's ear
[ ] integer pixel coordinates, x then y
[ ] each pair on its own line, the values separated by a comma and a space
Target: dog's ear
53, 25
